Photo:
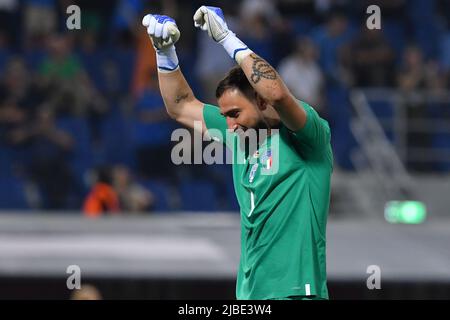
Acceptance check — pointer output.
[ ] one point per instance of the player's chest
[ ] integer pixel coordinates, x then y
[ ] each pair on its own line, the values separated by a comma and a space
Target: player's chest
267, 166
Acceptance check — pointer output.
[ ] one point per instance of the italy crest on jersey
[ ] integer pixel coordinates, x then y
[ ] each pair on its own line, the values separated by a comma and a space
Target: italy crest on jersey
251, 177
266, 159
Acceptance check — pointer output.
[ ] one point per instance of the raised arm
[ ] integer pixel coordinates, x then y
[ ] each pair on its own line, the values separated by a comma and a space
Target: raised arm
268, 84
261, 75
179, 100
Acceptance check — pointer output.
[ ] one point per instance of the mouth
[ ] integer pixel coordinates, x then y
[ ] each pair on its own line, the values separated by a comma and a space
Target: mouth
240, 128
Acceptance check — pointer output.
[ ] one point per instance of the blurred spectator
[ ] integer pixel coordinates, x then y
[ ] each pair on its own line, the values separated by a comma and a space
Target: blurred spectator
8, 21
103, 71
39, 19
49, 149
438, 82
102, 198
145, 62
96, 16
126, 17
132, 196
265, 8
444, 11
330, 39
302, 74
71, 90
415, 73
290, 8
16, 100
86, 292
390, 9
445, 51
259, 22
325, 7
152, 129
424, 26
61, 64
415, 77
370, 59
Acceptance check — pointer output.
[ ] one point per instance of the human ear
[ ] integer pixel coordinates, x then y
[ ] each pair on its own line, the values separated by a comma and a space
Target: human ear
260, 102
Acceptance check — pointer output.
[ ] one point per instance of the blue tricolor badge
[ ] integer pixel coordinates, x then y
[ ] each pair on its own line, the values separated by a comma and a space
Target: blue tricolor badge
266, 159
251, 177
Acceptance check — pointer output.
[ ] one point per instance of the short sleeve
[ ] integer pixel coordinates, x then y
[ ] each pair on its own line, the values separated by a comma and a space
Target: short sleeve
215, 123
315, 135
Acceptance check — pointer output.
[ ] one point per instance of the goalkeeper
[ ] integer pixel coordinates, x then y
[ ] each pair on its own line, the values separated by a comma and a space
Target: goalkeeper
283, 214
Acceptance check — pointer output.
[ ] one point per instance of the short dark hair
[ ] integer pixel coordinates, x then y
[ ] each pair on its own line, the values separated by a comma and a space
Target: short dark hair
235, 79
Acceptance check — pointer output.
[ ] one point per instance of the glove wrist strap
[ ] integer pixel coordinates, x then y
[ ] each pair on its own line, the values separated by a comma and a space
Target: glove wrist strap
167, 59
235, 48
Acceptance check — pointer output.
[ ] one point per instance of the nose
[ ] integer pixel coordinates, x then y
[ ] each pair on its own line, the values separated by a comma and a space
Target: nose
231, 123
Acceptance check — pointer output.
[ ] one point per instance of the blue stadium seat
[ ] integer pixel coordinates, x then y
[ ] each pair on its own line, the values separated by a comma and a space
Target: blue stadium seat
425, 27
339, 117
82, 154
301, 25
125, 60
34, 58
384, 111
12, 193
395, 34
198, 195
93, 64
162, 192
116, 138
441, 141
6, 161
232, 204
444, 49
4, 57
223, 179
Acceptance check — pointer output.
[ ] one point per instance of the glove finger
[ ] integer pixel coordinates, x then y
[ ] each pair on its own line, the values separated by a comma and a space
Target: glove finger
198, 17
151, 26
174, 33
206, 24
165, 31
158, 30
146, 20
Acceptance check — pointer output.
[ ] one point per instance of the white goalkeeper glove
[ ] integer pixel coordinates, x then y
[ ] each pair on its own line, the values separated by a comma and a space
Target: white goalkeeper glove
212, 20
163, 33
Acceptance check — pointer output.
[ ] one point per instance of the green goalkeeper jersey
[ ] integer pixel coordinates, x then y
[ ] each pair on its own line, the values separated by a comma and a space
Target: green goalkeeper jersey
283, 190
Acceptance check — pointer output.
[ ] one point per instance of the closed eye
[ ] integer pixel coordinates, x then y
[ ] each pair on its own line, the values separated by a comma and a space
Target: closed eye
232, 114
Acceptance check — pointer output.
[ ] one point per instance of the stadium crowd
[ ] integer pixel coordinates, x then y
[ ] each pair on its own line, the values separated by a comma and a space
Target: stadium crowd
83, 125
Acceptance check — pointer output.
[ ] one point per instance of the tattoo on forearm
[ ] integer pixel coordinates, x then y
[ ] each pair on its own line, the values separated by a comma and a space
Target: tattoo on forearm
261, 69
181, 97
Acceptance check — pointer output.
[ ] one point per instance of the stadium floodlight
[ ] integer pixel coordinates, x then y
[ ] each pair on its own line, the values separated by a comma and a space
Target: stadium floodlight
408, 212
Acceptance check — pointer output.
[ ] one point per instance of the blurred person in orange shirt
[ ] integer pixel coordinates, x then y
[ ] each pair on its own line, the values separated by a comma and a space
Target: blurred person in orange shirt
102, 198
